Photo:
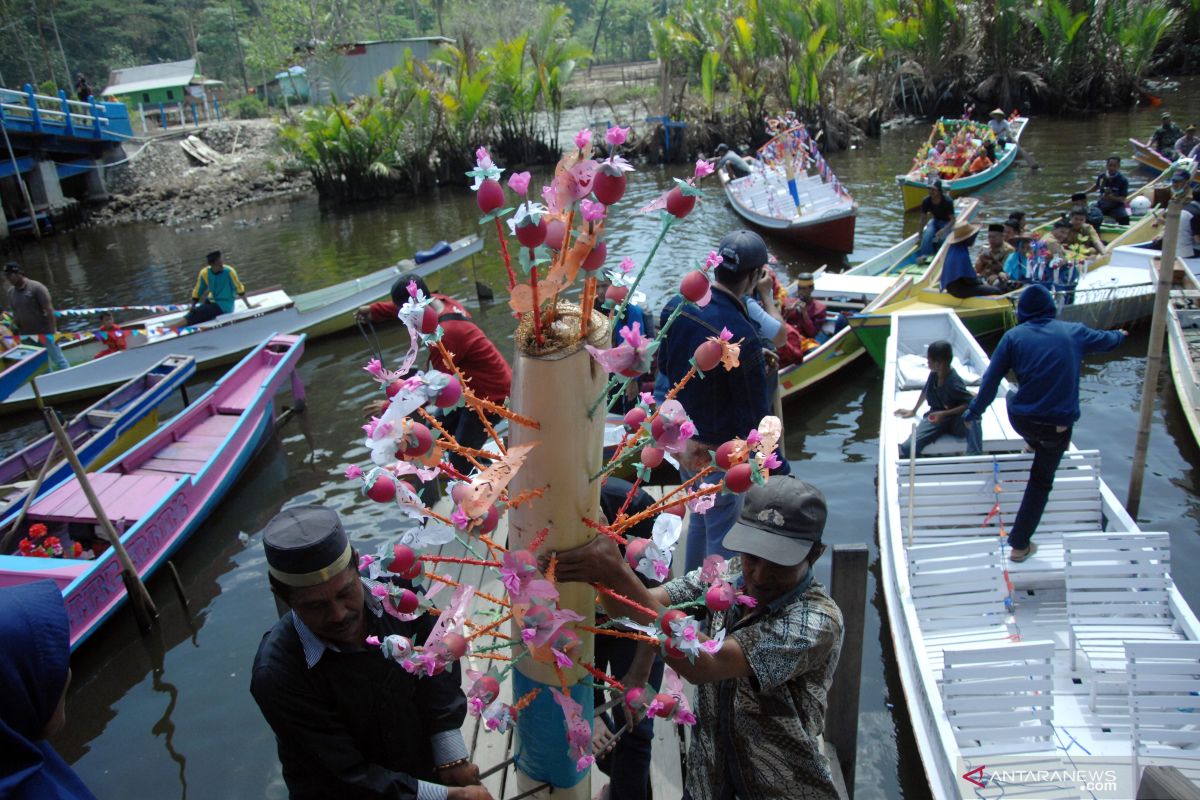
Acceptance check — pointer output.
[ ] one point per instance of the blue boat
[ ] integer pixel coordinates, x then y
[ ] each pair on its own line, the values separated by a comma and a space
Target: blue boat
20, 364
99, 433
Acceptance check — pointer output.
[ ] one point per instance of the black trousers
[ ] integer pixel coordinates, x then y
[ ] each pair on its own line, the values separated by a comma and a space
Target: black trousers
966, 287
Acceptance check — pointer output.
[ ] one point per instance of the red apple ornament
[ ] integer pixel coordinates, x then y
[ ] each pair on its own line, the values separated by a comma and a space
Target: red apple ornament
679, 205
531, 235
635, 550
652, 456
608, 186
403, 558
694, 286
406, 601
450, 394
594, 260
382, 489
455, 644
739, 478
708, 355
490, 196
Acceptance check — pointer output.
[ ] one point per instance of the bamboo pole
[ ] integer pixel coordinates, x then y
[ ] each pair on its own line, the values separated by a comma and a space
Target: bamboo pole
1154, 355
138, 594
555, 389
31, 497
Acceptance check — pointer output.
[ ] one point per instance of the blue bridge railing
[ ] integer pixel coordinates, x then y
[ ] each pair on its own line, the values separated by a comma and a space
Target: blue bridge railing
27, 112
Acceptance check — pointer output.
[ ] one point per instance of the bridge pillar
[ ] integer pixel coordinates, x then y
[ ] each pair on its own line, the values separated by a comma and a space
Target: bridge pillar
96, 188
44, 187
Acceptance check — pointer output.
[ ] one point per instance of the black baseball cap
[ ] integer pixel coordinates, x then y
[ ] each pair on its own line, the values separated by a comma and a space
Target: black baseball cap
213, 256
12, 267
780, 522
742, 251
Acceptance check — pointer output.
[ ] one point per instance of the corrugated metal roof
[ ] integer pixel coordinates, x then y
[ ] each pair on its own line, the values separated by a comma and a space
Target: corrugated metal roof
150, 76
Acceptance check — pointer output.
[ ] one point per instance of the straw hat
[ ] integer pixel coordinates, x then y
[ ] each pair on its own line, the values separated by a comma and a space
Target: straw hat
962, 232
996, 112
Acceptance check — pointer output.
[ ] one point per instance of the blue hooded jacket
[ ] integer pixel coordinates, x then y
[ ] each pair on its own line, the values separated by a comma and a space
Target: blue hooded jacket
1046, 354
35, 653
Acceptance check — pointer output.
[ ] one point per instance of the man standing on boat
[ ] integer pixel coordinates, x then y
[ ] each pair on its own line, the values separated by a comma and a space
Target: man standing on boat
348, 720
727, 404
487, 373
1046, 354
33, 313
1113, 188
989, 265
761, 696
217, 287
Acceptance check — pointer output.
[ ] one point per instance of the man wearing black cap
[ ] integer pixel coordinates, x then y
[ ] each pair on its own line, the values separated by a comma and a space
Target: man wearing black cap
1164, 136
33, 313
217, 287
726, 404
760, 698
1113, 188
349, 722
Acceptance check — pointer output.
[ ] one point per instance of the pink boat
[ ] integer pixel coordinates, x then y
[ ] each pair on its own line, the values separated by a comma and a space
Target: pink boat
157, 494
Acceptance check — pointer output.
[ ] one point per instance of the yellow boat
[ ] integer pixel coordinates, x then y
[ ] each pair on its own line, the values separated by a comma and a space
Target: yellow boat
886, 278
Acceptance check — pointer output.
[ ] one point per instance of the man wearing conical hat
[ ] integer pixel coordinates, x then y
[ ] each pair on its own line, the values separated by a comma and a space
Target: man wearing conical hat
349, 721
1000, 127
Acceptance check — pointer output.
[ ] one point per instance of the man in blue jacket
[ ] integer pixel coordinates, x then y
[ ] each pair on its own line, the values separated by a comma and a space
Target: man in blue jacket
1046, 354
724, 404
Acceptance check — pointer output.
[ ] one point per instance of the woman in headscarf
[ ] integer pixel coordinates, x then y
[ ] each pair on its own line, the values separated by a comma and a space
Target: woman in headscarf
35, 670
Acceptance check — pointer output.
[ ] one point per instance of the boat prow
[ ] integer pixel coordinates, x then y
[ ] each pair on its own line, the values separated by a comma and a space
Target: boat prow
19, 364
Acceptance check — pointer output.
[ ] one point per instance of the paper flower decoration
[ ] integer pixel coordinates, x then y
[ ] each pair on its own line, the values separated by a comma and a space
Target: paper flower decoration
579, 732
630, 358
654, 561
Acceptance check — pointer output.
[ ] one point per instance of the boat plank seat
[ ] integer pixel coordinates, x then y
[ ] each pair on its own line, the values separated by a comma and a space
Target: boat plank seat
1117, 591
1163, 705
241, 398
123, 497
954, 497
217, 426
1000, 699
959, 592
101, 419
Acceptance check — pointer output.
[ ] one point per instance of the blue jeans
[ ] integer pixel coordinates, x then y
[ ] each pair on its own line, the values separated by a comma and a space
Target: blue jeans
1048, 446
628, 764
706, 531
928, 246
929, 432
54, 353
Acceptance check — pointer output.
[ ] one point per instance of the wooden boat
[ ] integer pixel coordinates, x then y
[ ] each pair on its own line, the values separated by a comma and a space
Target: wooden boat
886, 278
1148, 157
1183, 336
1060, 676
99, 433
314, 313
792, 192
158, 493
20, 364
914, 184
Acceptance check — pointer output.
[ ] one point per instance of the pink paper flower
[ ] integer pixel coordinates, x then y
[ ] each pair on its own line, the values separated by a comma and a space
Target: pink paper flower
375, 368
772, 462
753, 438
460, 518
379, 590
482, 159
583, 139
701, 505
630, 358
616, 135
373, 641
562, 659
647, 399
353, 472
703, 168
712, 260
626, 266
591, 210
519, 182
365, 561
712, 568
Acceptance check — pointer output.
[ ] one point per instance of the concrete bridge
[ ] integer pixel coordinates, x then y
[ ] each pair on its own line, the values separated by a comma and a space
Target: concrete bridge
52, 154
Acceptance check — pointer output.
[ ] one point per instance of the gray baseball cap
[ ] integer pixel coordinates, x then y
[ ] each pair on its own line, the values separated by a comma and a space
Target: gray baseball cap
780, 522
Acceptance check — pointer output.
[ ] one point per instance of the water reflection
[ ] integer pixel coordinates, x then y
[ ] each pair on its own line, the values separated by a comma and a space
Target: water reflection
120, 736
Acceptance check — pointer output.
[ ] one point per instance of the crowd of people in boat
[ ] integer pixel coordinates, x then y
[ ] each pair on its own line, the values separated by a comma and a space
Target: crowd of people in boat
966, 149
1172, 142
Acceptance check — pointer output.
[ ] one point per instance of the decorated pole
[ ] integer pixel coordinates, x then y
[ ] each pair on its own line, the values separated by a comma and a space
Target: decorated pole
554, 385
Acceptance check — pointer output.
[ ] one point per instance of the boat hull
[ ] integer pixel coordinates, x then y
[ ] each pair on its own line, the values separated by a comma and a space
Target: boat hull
1146, 156
221, 344
983, 316
24, 362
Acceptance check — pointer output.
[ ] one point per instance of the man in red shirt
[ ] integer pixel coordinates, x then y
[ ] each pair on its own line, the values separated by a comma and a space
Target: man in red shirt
809, 314
487, 373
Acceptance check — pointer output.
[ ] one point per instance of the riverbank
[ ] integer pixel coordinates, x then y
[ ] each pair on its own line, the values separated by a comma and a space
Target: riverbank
159, 182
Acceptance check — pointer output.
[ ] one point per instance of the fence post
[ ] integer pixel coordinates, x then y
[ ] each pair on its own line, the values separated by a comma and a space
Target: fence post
848, 588
66, 107
33, 108
162, 115
95, 115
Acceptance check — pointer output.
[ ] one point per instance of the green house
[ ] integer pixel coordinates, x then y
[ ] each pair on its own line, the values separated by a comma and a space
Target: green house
170, 83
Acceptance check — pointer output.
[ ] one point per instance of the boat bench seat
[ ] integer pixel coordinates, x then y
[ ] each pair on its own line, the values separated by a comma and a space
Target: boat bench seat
123, 497
955, 496
1000, 699
1117, 591
1163, 704
191, 450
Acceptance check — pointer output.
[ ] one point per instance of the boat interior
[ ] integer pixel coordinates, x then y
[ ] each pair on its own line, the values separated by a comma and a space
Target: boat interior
1083, 655
765, 192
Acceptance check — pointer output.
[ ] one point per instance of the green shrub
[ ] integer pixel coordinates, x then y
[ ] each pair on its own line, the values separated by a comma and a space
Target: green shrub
248, 107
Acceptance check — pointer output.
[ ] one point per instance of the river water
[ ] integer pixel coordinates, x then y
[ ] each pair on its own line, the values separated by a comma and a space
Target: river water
169, 715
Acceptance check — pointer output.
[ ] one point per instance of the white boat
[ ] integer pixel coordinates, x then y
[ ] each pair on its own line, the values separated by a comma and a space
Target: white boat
1183, 336
224, 339
1061, 676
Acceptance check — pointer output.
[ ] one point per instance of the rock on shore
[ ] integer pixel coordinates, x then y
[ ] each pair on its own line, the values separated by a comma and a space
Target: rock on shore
161, 183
